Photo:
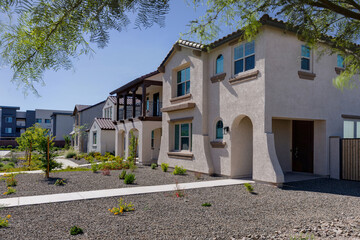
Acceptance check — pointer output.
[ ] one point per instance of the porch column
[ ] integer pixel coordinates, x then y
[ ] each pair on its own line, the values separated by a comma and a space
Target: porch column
143, 99
125, 105
117, 107
134, 103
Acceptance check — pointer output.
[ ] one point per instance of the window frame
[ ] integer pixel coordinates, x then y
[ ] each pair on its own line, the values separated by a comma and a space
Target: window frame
217, 64
178, 83
178, 145
356, 128
305, 57
7, 132
243, 57
47, 121
342, 61
38, 120
152, 139
7, 119
219, 138
94, 138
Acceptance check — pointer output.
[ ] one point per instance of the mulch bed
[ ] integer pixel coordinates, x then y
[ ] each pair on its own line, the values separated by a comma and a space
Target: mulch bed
36, 184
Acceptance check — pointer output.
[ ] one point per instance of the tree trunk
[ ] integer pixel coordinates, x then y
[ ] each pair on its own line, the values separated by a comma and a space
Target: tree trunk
30, 150
48, 158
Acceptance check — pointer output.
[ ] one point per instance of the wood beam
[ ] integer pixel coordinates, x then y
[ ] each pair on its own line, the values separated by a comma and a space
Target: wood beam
143, 99
125, 105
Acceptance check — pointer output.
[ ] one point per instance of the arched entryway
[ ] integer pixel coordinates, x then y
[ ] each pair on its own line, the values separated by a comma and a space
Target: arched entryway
121, 143
241, 147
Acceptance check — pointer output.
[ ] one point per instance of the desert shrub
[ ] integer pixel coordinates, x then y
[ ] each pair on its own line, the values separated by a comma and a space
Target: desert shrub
123, 207
10, 190
76, 230
9, 146
132, 166
9, 166
4, 222
60, 182
179, 192
129, 178
198, 175
89, 158
164, 167
10, 180
122, 174
206, 204
70, 154
105, 172
153, 166
1, 165
94, 154
94, 167
248, 187
179, 171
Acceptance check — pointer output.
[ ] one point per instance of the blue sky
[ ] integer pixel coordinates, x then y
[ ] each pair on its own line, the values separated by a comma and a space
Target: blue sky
130, 54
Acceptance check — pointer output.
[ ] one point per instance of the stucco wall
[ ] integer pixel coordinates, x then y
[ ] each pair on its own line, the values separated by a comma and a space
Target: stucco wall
64, 125
105, 140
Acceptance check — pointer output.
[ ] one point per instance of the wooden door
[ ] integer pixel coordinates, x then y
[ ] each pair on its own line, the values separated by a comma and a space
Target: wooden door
303, 146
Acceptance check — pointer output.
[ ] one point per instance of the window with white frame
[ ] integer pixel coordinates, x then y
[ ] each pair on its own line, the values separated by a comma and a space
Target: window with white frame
8, 119
8, 130
340, 61
94, 138
219, 64
244, 57
108, 112
183, 137
219, 130
305, 58
351, 128
183, 82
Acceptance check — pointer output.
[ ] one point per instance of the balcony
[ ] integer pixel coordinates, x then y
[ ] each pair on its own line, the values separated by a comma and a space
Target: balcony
152, 110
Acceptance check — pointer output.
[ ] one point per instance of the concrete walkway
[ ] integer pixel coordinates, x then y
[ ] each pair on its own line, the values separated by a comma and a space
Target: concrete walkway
4, 153
65, 162
65, 197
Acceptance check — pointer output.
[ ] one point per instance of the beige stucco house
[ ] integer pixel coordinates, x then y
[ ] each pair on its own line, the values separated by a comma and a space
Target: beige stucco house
258, 109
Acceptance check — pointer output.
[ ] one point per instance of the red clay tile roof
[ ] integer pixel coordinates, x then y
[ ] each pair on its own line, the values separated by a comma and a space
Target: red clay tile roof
105, 123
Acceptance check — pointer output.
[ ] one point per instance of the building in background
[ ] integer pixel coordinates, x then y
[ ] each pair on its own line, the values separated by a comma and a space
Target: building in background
14, 122
61, 124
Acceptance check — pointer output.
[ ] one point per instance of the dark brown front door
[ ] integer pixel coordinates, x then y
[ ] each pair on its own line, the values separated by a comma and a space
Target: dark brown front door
303, 146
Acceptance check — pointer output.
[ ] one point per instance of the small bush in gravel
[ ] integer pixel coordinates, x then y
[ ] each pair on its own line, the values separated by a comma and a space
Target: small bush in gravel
1, 165
106, 172
4, 222
76, 230
153, 166
206, 204
164, 167
10, 180
122, 175
179, 171
94, 167
301, 237
198, 175
123, 207
129, 178
249, 188
9, 191
178, 191
70, 154
60, 182
132, 166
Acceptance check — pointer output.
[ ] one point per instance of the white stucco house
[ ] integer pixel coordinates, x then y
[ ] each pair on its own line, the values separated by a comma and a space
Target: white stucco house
258, 109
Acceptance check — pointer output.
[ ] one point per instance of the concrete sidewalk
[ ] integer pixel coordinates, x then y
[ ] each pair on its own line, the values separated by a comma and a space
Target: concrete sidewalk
4, 153
73, 196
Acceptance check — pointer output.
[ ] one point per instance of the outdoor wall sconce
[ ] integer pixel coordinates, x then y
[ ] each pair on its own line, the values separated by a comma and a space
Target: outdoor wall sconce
226, 130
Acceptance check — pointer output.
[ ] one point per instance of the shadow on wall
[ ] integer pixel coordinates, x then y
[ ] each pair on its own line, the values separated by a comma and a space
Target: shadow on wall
325, 185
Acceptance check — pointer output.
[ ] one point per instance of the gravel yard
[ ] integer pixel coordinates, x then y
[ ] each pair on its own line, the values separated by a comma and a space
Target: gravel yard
36, 184
322, 208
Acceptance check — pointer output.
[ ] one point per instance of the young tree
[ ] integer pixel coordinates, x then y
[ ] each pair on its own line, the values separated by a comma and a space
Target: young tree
29, 140
67, 140
47, 155
334, 22
133, 147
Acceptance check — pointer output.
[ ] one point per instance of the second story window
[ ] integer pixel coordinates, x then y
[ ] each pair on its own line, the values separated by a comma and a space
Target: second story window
38, 120
219, 64
219, 130
8, 119
340, 61
94, 138
244, 57
8, 130
47, 120
183, 82
305, 58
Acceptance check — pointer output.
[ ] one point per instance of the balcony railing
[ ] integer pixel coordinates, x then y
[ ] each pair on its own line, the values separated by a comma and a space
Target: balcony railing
152, 110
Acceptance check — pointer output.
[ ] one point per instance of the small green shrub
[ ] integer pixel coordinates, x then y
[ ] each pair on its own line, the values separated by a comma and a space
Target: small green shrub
9, 191
132, 166
4, 222
179, 171
122, 175
123, 207
70, 154
9, 146
153, 166
60, 182
10, 180
206, 204
129, 178
164, 167
248, 187
76, 230
1, 165
94, 167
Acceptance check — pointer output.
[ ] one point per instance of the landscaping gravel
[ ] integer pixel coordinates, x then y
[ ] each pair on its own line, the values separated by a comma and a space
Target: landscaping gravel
323, 209
36, 184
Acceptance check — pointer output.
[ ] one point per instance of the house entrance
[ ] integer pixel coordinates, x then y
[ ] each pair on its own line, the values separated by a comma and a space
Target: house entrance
303, 146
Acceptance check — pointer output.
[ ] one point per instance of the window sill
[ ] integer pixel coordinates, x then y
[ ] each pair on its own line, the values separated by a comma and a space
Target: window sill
215, 144
181, 155
245, 76
218, 78
306, 75
182, 106
183, 98
339, 70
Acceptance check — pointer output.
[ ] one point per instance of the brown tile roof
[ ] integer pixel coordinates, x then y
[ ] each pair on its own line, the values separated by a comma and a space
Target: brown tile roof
105, 123
190, 44
112, 99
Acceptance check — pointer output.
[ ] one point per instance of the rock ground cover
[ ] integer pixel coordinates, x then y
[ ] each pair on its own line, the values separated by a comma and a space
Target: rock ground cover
323, 209
36, 184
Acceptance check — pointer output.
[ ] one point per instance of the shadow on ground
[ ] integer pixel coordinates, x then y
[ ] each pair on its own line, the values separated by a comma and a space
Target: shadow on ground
325, 185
